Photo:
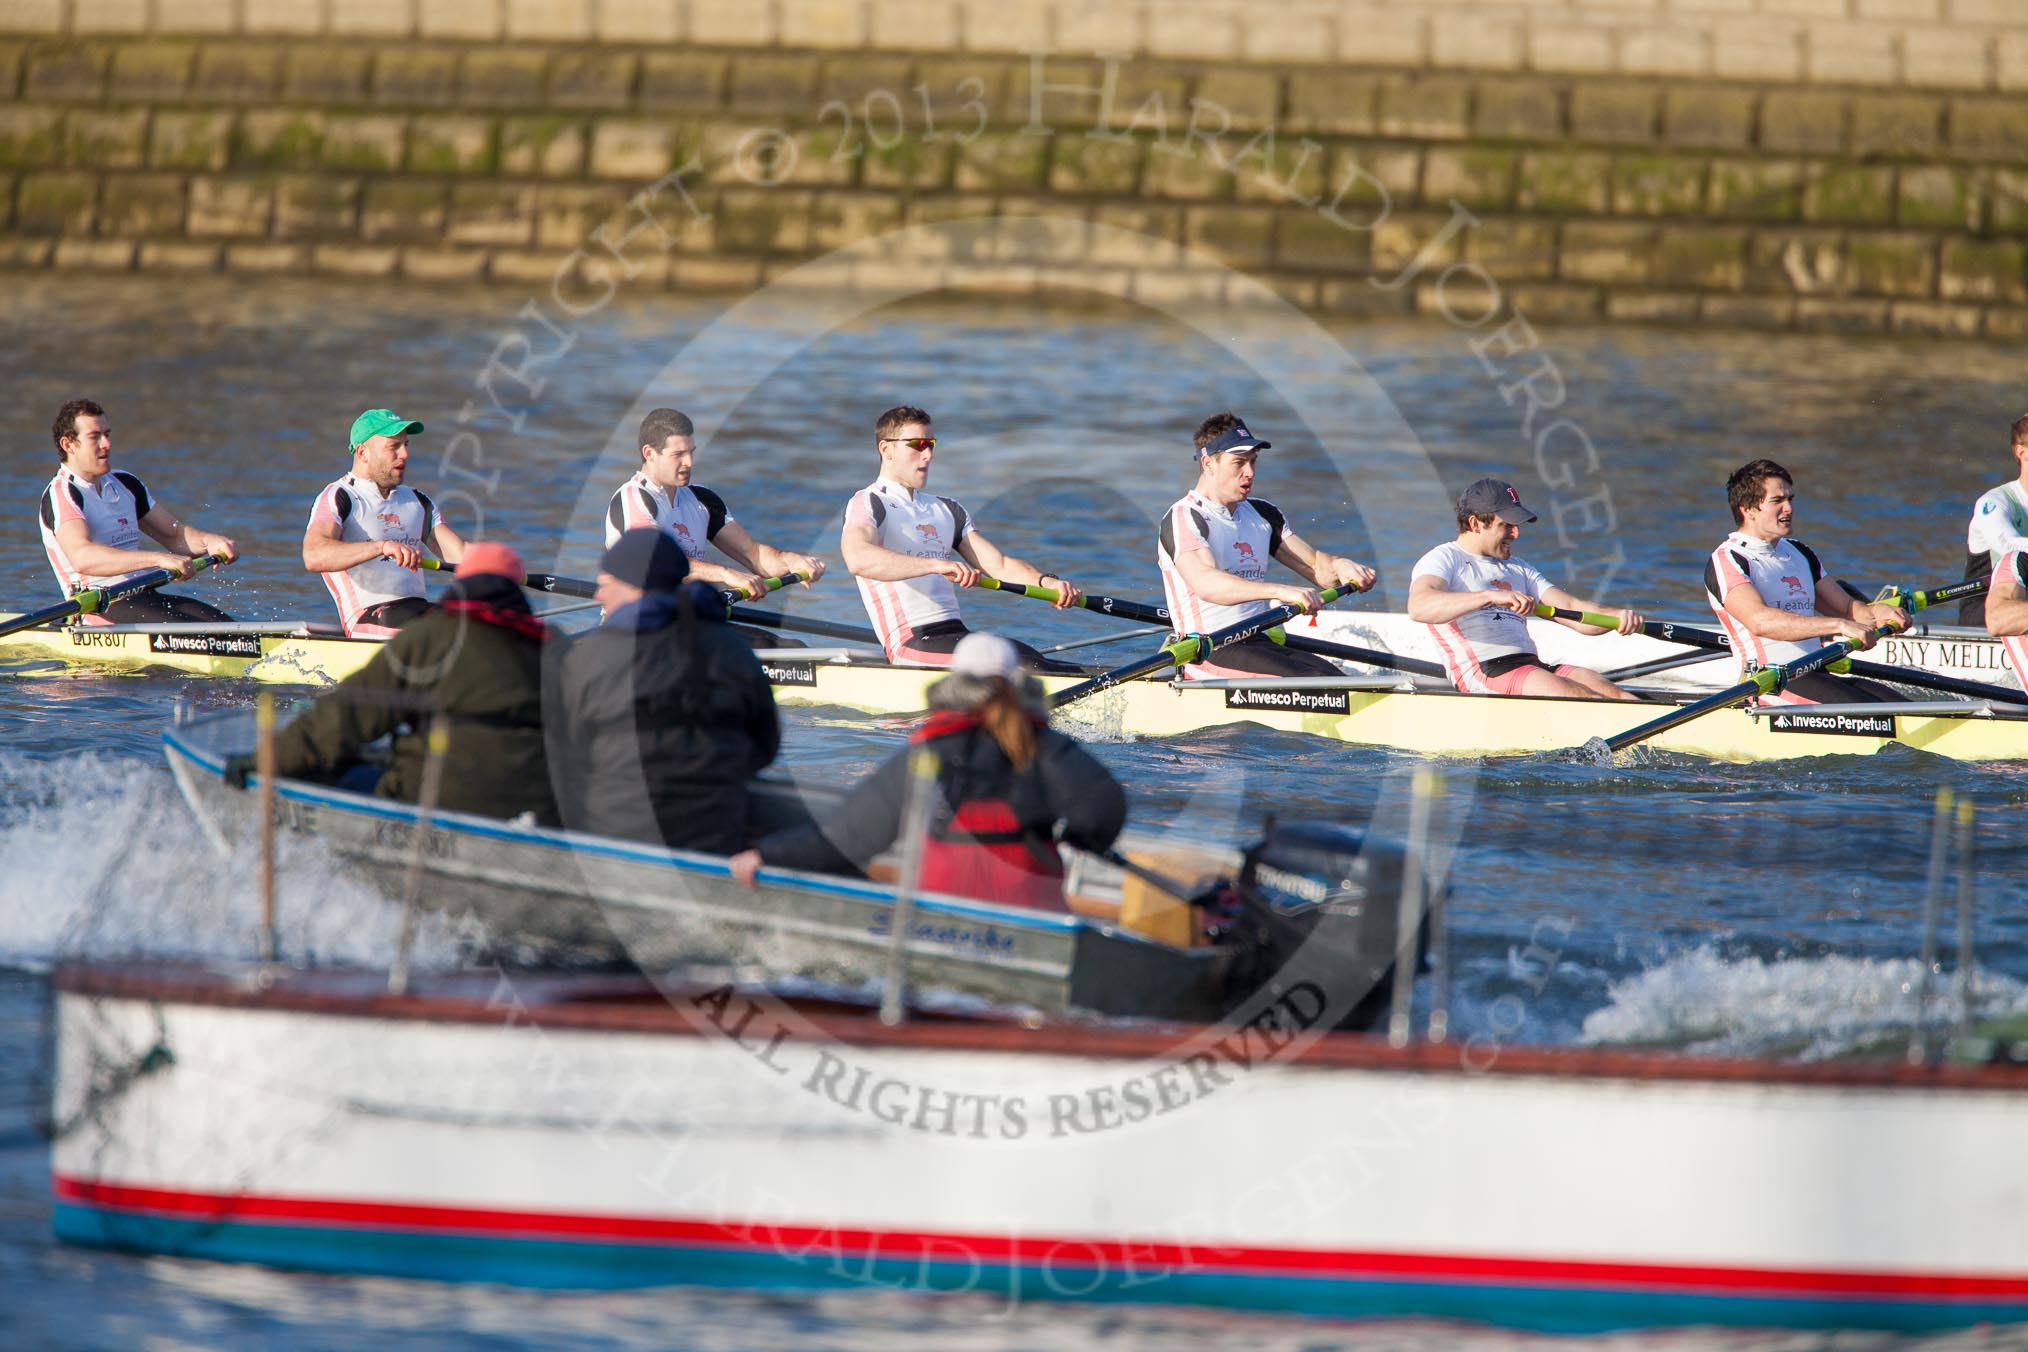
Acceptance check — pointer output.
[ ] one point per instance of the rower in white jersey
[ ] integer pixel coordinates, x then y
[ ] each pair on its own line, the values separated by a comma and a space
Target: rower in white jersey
1213, 550
661, 495
1476, 598
1999, 526
1772, 596
96, 522
368, 529
910, 550
2007, 609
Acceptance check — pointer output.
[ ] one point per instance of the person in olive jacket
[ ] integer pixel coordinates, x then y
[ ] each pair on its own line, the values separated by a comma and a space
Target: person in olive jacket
659, 717
477, 658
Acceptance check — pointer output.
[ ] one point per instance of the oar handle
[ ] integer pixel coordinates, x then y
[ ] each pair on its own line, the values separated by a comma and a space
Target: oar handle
98, 598
1136, 611
768, 584
1911, 600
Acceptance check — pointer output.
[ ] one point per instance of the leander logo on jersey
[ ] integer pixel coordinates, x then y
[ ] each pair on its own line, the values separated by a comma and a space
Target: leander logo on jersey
928, 533
390, 520
1244, 549
1795, 584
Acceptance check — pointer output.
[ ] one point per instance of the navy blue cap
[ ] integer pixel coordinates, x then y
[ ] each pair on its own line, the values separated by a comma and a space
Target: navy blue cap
1494, 497
1238, 439
647, 558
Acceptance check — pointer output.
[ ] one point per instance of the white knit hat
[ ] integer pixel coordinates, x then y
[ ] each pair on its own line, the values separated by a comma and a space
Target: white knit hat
985, 655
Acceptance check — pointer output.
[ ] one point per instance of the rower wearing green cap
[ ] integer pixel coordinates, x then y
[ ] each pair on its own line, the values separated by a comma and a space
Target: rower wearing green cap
368, 529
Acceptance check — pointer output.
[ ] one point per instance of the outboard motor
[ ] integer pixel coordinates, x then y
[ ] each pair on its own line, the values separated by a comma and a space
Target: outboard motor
1318, 908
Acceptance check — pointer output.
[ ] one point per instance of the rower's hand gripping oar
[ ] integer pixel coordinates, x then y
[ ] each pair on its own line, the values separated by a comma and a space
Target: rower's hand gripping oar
1766, 681
1190, 648
1140, 613
1856, 666
94, 600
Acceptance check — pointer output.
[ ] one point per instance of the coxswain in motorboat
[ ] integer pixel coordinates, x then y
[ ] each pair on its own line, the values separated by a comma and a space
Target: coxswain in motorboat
96, 522
1213, 548
474, 661
1009, 787
661, 494
910, 550
1476, 598
368, 530
1999, 527
1770, 592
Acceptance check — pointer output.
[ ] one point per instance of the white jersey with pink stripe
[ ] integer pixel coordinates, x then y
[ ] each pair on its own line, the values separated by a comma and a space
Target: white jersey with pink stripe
1241, 539
111, 510
1487, 634
919, 524
690, 515
1784, 572
361, 512
2014, 565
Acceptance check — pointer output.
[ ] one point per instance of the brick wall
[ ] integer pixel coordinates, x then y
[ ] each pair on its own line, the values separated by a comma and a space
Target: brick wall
1847, 164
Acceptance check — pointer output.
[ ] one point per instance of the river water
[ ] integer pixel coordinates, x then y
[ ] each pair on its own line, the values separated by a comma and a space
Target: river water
1657, 900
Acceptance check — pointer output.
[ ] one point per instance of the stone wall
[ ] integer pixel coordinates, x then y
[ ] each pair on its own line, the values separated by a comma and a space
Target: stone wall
1848, 164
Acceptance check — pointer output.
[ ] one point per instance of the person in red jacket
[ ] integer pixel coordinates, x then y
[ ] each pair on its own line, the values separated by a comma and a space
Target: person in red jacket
1009, 787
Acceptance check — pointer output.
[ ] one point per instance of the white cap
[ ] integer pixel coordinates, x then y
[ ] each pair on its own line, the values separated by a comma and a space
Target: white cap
985, 655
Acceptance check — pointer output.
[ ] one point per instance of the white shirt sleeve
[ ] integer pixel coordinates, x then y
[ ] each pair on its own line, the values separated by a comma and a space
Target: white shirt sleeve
1440, 563
1994, 529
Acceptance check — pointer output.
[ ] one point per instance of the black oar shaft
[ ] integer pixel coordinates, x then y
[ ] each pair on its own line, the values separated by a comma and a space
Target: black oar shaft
768, 619
1187, 649
94, 600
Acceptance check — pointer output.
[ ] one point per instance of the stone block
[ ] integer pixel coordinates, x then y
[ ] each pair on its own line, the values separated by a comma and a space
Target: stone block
1652, 307
1296, 35
732, 23
1841, 316
763, 221
1933, 321
425, 263
476, 19
355, 260
239, 73
908, 163
503, 78
1359, 296
1570, 48
25, 252
1887, 264
369, 142
141, 204
2005, 324
316, 205
1936, 195
1708, 117
1850, 195
1205, 32
1803, 122
147, 72
919, 25
1082, 28
1946, 58
1758, 190
266, 257
491, 213
1897, 125
542, 147
690, 81
870, 85
2007, 198
56, 204
1238, 237
782, 86
178, 256
2004, 13
415, 77
1087, 168
1181, 292
1514, 249
1067, 94
109, 16
1518, 110
1310, 240
1476, 39
1982, 270
1990, 129
403, 210
1614, 114
1658, 185
1807, 262
1900, 10
190, 141
68, 72
1614, 254
657, 21
12, 54
711, 275
1382, 35
821, 156
1250, 98
1656, 48
1291, 170
1565, 182
230, 206
549, 20
1333, 102
1475, 176
1428, 107
1136, 235
327, 74
1555, 302
1749, 50
1002, 161
94, 140
841, 219
565, 214
821, 24
1700, 257
1006, 25
195, 16
1748, 312
444, 144
1842, 52
374, 18
593, 79
527, 267
2010, 58
632, 148
292, 17
1405, 236
30, 138
279, 140
94, 255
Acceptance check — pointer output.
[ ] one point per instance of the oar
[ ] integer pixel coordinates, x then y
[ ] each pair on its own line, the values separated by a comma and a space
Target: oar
768, 619
96, 599
1190, 648
1763, 682
1857, 666
577, 586
1912, 601
1140, 613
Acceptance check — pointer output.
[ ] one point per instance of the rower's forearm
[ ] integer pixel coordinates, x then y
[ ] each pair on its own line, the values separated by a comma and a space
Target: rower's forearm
336, 556
103, 560
886, 565
1444, 606
2006, 616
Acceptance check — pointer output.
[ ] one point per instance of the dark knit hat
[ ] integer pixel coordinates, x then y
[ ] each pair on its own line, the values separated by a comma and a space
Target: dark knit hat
647, 558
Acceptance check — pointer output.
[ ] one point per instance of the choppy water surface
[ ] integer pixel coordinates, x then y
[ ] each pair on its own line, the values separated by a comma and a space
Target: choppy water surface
1756, 908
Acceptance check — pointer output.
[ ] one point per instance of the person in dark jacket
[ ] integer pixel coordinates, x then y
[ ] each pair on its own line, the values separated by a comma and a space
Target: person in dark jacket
659, 717
477, 659
1008, 789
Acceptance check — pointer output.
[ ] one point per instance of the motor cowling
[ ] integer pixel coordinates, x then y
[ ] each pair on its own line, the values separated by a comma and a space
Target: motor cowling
1318, 908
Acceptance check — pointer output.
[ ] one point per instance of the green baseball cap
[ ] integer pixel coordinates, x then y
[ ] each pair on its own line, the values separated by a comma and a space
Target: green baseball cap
381, 422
